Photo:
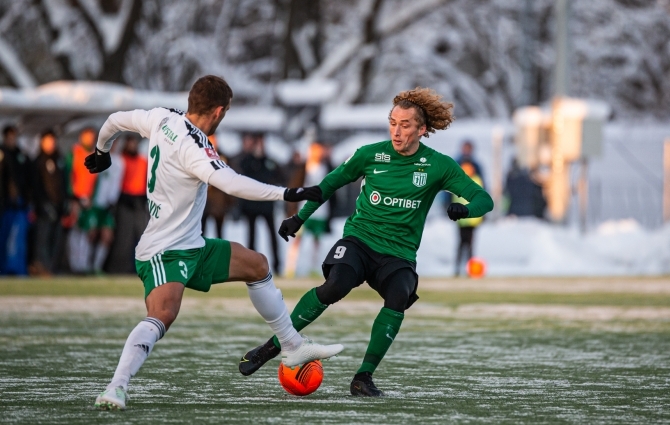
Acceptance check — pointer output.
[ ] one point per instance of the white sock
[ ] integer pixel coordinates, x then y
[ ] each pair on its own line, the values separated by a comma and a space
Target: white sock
268, 301
100, 256
138, 346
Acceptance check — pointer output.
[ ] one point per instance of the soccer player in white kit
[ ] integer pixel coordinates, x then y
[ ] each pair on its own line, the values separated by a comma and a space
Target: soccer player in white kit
172, 254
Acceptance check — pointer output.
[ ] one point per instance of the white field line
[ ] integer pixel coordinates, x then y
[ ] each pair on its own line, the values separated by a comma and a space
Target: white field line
29, 305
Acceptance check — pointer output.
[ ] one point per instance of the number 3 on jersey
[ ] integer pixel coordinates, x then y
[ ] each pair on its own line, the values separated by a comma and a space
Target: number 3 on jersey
339, 252
156, 156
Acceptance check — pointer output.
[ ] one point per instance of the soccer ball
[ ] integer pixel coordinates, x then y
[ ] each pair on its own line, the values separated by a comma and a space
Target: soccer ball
301, 380
476, 267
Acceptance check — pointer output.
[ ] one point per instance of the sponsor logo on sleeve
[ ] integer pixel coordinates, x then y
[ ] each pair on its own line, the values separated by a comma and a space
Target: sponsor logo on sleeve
211, 153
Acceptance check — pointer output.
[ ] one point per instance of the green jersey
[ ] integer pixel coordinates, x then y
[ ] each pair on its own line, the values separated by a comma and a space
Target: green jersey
396, 193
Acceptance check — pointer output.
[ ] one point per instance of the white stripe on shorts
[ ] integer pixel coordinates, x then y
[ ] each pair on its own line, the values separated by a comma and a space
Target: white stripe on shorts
153, 270
160, 259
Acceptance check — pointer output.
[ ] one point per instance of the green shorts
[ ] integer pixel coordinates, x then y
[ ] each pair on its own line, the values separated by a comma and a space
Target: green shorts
95, 218
196, 268
316, 226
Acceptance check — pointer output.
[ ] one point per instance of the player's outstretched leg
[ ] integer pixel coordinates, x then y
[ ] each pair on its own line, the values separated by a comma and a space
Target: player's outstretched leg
268, 301
307, 310
341, 279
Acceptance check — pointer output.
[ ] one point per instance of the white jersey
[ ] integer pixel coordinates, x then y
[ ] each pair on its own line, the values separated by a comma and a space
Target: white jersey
181, 163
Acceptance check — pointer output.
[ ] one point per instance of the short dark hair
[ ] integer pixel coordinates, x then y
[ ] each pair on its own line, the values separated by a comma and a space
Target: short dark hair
208, 93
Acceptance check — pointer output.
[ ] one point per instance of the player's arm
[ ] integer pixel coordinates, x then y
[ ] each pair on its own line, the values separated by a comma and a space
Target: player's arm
228, 181
204, 164
457, 182
138, 121
348, 172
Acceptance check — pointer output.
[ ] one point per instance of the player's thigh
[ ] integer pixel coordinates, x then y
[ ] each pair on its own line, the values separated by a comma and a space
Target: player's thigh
246, 265
395, 279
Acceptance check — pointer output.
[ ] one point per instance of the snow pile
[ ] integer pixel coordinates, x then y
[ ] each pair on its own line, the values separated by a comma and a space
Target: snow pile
513, 247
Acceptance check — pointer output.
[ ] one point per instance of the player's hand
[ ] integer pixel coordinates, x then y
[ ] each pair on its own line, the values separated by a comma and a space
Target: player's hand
297, 194
457, 211
98, 161
290, 226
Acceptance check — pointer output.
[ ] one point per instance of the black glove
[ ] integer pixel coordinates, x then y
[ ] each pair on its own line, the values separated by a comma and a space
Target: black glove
290, 226
98, 161
457, 211
297, 194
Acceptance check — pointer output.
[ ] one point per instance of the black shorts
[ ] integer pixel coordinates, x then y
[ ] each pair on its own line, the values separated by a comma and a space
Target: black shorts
370, 266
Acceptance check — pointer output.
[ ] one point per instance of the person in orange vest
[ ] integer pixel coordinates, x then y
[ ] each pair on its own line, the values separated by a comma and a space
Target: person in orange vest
466, 226
81, 185
131, 209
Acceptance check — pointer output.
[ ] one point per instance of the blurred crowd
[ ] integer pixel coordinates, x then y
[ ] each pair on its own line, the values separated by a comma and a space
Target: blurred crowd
56, 217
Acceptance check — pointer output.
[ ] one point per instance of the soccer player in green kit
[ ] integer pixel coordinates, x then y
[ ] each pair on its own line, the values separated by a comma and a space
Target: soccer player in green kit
402, 176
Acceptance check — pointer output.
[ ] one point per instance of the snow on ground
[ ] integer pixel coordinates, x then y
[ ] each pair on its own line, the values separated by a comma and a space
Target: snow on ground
510, 247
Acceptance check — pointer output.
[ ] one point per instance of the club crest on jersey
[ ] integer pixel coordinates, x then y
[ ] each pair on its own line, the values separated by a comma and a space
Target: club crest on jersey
211, 153
419, 179
375, 197
382, 157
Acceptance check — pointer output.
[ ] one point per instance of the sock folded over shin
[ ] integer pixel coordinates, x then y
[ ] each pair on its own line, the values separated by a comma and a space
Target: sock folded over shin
268, 301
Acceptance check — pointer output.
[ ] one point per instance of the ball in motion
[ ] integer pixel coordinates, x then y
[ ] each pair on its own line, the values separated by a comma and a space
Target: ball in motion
301, 380
476, 267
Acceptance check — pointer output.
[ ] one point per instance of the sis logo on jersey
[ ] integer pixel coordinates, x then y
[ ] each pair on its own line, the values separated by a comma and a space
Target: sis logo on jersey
382, 157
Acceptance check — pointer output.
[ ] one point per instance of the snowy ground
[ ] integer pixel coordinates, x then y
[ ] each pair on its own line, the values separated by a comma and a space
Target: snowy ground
512, 247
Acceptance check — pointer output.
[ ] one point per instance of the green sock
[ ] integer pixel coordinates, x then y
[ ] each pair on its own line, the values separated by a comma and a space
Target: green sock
305, 312
384, 329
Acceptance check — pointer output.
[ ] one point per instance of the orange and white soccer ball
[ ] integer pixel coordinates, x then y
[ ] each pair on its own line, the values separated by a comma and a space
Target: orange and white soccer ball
476, 267
301, 380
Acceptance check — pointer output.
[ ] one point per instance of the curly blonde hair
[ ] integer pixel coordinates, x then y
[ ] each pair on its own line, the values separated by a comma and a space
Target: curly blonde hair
429, 107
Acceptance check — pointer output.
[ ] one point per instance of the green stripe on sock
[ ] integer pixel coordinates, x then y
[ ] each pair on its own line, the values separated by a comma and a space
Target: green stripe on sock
384, 330
305, 312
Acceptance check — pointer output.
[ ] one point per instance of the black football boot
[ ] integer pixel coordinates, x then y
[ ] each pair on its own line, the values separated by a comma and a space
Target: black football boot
362, 386
254, 359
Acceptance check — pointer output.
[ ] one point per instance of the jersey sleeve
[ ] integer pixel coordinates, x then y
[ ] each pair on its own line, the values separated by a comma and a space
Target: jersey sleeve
349, 171
138, 121
199, 160
457, 182
228, 181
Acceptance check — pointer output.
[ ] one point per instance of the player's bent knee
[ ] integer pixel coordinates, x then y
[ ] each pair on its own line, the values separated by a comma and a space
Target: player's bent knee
399, 288
341, 280
246, 264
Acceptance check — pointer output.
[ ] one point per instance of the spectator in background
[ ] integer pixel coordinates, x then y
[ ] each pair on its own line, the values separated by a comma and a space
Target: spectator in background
467, 155
218, 202
101, 220
132, 213
81, 186
258, 166
317, 167
466, 226
50, 198
524, 194
15, 198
